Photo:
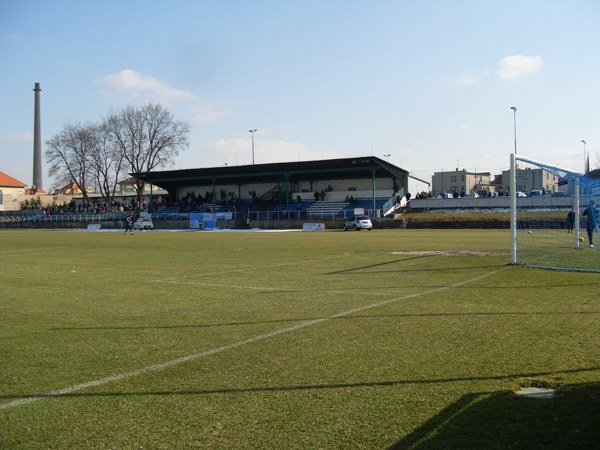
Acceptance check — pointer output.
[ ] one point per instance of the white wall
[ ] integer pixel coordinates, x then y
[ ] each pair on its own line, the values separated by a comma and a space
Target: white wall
340, 196
340, 188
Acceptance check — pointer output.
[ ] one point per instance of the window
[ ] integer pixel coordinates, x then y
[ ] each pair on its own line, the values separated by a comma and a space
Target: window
453, 178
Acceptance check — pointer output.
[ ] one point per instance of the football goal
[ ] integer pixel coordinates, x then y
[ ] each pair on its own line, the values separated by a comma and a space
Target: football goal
554, 217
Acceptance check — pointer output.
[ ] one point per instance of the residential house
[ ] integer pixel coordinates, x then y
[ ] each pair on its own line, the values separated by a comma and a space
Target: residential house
11, 190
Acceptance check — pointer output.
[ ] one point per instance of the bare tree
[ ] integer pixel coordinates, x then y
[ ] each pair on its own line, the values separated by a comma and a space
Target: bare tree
106, 160
68, 156
148, 137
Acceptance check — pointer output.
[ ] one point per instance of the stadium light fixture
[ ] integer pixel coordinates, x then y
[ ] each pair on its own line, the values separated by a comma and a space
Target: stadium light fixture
387, 156
252, 133
514, 108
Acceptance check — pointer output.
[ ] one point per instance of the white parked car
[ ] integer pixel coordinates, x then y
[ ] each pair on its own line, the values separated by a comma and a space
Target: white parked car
358, 223
143, 223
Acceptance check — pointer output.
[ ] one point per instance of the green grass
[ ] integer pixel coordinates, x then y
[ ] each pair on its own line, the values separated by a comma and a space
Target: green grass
296, 340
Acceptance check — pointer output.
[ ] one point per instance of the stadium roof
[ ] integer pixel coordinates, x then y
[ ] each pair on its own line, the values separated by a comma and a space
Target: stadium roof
326, 169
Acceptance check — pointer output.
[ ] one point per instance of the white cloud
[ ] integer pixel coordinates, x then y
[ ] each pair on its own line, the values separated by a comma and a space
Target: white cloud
137, 86
517, 66
18, 137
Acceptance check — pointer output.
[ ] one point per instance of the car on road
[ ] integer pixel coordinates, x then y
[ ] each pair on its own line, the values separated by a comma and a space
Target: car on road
356, 223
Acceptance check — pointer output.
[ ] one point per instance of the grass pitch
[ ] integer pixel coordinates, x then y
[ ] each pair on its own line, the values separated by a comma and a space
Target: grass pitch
382, 339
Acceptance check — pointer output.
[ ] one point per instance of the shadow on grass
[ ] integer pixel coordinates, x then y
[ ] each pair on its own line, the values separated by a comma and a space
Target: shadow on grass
403, 260
504, 420
302, 387
310, 319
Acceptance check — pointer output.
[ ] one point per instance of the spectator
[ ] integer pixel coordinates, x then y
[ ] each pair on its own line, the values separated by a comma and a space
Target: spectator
129, 224
590, 213
570, 220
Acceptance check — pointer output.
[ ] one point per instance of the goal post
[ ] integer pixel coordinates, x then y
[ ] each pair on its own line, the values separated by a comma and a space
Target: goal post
544, 233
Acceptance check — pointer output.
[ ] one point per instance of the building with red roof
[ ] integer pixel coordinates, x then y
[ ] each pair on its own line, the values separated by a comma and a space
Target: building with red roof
6, 181
10, 191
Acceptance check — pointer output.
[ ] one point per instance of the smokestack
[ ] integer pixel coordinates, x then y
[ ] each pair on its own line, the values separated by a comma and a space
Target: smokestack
37, 141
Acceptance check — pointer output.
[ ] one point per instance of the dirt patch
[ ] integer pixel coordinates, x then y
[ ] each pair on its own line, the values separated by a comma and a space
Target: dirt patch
451, 253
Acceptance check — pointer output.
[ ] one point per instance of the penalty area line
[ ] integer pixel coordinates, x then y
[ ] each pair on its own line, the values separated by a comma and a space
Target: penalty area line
232, 346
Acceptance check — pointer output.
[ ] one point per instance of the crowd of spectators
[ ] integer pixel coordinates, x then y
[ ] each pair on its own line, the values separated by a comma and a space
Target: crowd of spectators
191, 202
483, 193
88, 207
424, 194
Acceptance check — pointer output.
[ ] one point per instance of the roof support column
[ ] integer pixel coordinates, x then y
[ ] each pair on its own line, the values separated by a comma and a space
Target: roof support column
287, 192
373, 170
214, 194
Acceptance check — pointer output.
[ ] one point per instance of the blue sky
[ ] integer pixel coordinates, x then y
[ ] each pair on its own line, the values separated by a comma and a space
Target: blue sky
429, 83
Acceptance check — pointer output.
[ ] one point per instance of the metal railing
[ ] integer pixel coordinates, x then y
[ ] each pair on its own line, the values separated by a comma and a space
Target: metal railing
391, 203
307, 215
158, 217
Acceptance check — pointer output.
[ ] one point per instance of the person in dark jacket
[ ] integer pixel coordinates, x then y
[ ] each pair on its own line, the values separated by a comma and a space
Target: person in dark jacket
592, 222
570, 220
129, 224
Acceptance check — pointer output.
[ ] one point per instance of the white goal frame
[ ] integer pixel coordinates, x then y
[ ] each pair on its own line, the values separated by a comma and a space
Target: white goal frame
577, 180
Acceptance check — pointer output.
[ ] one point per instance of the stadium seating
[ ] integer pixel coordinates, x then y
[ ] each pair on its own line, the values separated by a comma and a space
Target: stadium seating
331, 209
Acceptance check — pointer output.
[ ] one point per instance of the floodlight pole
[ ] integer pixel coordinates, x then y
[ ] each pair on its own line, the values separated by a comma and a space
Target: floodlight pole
585, 167
252, 133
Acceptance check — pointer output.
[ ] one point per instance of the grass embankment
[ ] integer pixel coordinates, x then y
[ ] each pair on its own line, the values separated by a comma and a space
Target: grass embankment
414, 216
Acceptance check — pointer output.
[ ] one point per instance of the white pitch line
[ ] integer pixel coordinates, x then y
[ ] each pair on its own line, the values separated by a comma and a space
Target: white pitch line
279, 289
232, 346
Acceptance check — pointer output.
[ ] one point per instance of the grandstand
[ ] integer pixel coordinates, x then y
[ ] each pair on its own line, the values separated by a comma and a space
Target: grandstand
328, 188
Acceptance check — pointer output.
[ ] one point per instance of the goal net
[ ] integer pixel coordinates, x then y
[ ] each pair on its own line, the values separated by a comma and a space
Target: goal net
554, 217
